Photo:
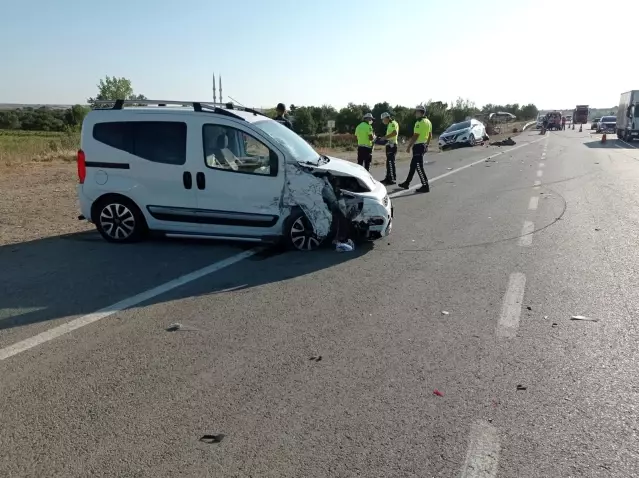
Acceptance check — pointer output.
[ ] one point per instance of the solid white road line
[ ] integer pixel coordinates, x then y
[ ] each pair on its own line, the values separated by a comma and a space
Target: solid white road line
534, 202
540, 173
626, 143
525, 240
511, 307
118, 307
441, 176
482, 456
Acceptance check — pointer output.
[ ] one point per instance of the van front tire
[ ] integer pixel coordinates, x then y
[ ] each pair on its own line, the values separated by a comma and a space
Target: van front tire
299, 234
119, 220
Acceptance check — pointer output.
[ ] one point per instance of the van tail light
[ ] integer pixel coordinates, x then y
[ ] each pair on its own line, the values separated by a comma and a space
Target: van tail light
82, 166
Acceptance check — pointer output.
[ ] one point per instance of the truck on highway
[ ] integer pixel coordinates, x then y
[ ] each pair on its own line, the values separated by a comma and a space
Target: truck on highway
628, 116
580, 115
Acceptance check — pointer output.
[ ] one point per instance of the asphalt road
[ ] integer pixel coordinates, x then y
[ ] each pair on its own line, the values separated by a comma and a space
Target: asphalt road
472, 296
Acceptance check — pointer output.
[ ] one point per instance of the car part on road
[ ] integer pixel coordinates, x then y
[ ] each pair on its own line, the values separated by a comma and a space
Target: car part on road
210, 439
581, 317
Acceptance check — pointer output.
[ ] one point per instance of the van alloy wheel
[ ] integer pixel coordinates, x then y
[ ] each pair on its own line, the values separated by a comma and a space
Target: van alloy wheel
117, 221
302, 236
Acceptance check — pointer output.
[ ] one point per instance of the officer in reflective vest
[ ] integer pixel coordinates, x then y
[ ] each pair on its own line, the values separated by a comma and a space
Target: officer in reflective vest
365, 138
392, 131
422, 134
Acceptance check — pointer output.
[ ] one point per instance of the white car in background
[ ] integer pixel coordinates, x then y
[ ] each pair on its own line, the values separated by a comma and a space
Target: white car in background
467, 132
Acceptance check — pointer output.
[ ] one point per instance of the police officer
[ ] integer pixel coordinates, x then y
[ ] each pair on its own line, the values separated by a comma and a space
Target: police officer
422, 134
365, 138
392, 131
281, 116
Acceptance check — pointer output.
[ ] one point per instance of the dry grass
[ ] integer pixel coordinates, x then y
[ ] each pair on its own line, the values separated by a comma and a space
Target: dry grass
22, 147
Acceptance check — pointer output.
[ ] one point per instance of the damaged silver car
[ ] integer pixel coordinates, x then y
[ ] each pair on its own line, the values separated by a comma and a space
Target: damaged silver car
219, 172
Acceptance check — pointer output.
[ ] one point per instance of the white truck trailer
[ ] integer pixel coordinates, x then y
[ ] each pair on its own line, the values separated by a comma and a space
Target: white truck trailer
628, 116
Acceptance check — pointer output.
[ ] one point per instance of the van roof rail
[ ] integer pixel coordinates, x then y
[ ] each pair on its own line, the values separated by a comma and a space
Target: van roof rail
199, 106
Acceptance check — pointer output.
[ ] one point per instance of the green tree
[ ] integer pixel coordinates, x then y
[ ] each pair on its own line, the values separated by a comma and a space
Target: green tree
74, 116
378, 124
9, 120
303, 123
321, 115
113, 88
348, 118
529, 111
439, 115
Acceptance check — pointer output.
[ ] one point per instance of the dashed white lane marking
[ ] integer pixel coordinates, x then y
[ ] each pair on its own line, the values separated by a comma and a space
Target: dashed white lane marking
533, 203
525, 240
540, 173
537, 183
482, 456
118, 307
511, 307
541, 165
441, 176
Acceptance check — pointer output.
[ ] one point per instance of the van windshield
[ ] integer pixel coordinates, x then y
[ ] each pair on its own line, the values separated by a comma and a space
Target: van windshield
299, 149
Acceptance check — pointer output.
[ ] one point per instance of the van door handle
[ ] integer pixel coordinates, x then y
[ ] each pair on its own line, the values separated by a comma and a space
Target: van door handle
200, 180
187, 180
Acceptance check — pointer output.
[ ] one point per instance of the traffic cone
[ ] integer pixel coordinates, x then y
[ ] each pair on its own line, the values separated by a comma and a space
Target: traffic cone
603, 138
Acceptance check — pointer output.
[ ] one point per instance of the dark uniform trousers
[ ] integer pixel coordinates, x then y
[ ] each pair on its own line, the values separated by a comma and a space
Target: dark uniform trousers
417, 164
391, 151
364, 156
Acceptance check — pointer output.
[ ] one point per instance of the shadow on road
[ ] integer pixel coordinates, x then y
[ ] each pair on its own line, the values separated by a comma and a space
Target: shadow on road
80, 273
610, 143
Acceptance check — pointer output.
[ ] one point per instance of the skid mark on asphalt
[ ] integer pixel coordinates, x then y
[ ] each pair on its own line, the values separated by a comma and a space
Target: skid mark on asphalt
511, 306
482, 456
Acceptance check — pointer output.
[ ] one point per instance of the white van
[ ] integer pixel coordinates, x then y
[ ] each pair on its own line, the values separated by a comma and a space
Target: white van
218, 172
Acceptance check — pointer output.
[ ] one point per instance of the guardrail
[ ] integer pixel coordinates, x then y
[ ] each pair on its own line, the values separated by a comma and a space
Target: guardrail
529, 124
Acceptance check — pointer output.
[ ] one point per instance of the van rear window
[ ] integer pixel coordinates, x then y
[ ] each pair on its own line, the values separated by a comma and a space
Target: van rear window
157, 141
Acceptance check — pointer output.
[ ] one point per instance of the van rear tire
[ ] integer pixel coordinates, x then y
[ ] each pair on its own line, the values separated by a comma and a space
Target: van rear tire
119, 220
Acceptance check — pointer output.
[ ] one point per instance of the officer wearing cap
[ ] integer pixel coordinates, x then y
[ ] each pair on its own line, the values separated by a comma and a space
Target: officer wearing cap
422, 134
365, 138
392, 131
281, 116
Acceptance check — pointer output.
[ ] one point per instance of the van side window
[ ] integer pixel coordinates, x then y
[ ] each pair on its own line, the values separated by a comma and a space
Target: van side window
156, 141
229, 149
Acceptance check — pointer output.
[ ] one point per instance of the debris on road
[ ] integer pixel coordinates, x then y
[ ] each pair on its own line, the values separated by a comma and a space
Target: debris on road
528, 307
521, 387
450, 169
506, 142
317, 358
445, 312
174, 327
438, 393
554, 324
581, 317
597, 229
212, 438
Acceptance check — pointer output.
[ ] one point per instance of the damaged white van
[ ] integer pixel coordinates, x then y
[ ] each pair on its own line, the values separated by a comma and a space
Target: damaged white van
201, 170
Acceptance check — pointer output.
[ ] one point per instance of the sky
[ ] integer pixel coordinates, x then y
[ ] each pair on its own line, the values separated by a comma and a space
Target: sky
326, 52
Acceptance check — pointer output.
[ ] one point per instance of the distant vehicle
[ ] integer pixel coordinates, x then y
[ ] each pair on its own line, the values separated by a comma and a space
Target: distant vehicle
581, 114
594, 123
501, 116
608, 124
540, 121
568, 118
628, 116
467, 132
